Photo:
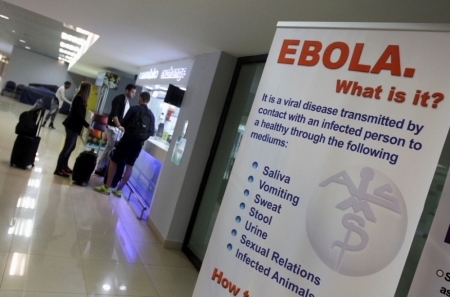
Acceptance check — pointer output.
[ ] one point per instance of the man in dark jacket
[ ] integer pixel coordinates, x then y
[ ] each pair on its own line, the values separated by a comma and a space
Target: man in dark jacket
129, 147
119, 108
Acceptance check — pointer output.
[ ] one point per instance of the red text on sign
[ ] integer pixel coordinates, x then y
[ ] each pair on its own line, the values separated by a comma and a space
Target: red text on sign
226, 284
310, 53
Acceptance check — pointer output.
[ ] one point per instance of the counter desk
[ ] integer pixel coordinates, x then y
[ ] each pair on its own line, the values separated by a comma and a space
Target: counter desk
146, 171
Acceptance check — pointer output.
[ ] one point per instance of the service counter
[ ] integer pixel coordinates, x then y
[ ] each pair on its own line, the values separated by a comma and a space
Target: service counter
146, 171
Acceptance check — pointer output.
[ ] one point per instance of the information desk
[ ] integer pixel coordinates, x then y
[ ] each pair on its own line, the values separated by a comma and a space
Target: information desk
146, 171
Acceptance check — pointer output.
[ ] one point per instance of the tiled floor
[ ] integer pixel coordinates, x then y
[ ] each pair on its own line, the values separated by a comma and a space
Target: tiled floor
58, 239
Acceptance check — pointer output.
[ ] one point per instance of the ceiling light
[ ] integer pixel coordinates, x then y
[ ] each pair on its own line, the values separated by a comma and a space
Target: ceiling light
69, 46
82, 31
67, 52
13, 31
64, 59
4, 16
71, 38
27, 47
79, 30
23, 41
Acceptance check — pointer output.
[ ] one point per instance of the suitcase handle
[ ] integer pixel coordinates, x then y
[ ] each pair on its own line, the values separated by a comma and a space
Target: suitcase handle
41, 118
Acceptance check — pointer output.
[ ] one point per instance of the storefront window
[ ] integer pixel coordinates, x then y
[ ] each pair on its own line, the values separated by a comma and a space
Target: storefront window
227, 149
426, 219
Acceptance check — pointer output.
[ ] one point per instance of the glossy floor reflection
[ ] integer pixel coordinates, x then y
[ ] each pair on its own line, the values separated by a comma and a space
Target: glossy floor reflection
58, 239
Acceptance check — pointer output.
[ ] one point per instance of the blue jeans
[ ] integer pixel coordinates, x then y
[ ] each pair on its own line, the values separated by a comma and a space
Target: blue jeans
53, 115
69, 146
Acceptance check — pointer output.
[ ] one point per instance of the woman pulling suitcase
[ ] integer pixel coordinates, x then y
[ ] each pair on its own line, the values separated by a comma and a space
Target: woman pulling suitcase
73, 125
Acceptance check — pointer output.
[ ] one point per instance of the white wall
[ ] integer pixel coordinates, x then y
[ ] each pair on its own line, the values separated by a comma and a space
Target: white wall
26, 67
202, 106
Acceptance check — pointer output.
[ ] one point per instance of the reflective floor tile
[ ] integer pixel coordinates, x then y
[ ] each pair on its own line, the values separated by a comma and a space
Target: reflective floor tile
97, 225
155, 254
140, 231
3, 260
5, 238
43, 274
116, 249
58, 243
104, 277
37, 294
173, 281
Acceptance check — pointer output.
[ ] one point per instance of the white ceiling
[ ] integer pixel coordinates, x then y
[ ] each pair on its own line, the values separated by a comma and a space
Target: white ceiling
135, 33
40, 33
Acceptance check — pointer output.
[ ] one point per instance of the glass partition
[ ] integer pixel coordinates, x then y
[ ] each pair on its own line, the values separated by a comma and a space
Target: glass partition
228, 146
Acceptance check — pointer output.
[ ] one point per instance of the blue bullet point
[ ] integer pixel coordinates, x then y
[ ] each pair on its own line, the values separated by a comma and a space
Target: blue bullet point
229, 246
255, 165
246, 192
233, 232
242, 205
238, 219
250, 179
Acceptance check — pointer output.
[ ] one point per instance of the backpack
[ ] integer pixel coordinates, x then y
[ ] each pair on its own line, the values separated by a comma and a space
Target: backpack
27, 124
142, 125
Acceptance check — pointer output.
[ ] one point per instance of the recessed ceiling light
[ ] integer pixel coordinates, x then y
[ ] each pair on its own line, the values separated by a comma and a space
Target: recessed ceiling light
82, 31
23, 41
13, 31
71, 38
27, 47
4, 16
69, 46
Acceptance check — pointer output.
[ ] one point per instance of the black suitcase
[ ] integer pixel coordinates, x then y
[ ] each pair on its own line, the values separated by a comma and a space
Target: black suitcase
119, 171
84, 167
24, 151
26, 146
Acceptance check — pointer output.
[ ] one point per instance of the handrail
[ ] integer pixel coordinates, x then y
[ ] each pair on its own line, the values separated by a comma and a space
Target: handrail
138, 198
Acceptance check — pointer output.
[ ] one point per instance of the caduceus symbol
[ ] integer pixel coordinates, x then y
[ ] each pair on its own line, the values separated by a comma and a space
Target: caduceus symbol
359, 201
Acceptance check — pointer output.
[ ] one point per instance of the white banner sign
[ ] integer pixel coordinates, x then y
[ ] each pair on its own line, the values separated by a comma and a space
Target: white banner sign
339, 151
432, 278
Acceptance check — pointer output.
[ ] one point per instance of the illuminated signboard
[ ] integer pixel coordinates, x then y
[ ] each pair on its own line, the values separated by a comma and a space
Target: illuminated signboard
176, 72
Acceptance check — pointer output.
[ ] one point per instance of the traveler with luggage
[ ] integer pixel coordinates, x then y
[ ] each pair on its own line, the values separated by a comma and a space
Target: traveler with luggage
139, 125
73, 125
56, 104
119, 108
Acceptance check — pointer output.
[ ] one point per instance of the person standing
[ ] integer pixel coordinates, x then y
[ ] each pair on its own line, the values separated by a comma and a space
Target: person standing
57, 103
130, 145
119, 108
73, 125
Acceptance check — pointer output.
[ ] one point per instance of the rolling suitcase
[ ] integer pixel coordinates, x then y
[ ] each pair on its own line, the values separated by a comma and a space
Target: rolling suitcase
26, 146
84, 167
24, 151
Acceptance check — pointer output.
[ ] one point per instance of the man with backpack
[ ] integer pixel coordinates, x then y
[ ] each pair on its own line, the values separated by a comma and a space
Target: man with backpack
139, 125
